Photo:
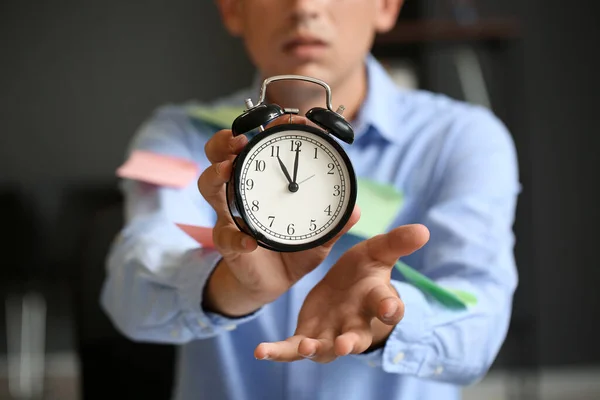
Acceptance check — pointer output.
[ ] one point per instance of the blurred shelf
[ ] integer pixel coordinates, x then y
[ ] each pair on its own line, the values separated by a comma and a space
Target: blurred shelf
439, 30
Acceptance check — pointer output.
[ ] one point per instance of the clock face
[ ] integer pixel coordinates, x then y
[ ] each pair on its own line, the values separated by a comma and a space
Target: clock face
296, 187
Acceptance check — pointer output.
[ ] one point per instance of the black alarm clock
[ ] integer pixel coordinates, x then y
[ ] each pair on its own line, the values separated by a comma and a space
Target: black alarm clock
292, 187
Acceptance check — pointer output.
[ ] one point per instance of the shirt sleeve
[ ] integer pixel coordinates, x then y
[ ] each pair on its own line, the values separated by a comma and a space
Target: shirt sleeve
469, 214
156, 273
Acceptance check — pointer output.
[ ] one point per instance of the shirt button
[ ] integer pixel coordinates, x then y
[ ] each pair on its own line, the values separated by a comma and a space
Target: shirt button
175, 333
230, 327
372, 364
202, 324
399, 357
439, 370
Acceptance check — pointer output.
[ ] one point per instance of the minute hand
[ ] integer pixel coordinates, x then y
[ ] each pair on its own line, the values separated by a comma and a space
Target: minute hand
296, 165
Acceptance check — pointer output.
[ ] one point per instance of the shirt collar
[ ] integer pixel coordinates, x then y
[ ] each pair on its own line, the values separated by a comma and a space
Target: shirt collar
378, 113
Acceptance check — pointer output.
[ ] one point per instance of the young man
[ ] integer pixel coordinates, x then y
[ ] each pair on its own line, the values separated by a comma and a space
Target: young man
335, 322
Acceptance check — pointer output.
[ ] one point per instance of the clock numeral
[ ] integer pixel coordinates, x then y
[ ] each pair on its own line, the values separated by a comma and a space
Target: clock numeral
336, 190
271, 218
298, 145
274, 151
290, 229
255, 206
316, 152
249, 184
331, 166
313, 226
328, 210
260, 165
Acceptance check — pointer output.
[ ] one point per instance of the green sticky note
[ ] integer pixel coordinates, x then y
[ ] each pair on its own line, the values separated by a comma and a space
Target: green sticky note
449, 298
379, 204
466, 297
221, 117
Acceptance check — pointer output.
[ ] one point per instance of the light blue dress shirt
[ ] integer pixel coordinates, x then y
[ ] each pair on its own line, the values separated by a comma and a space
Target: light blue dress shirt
456, 165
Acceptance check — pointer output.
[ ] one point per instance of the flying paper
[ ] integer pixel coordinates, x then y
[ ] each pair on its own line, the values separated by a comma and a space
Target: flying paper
200, 234
158, 169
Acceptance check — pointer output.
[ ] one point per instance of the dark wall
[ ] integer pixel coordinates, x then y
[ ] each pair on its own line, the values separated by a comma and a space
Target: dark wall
546, 87
563, 94
78, 77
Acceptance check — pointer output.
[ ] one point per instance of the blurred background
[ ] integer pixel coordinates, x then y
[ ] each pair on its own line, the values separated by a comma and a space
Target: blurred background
78, 77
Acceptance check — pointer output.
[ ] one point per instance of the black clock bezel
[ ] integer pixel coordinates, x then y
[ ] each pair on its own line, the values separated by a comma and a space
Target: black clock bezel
238, 212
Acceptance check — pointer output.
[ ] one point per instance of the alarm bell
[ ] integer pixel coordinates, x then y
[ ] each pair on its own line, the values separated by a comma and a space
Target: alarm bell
256, 116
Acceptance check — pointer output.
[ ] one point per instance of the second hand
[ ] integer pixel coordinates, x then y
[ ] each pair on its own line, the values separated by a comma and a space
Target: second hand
306, 179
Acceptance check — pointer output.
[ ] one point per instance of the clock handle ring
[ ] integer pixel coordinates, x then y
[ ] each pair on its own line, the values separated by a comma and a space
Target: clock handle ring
266, 82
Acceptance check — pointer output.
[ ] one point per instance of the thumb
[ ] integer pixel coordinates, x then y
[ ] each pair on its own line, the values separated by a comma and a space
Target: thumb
399, 242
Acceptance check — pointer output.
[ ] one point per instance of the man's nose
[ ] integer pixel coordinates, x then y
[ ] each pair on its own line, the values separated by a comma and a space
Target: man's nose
307, 9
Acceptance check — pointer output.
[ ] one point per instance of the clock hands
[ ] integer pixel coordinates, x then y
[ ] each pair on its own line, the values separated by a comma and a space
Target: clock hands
292, 187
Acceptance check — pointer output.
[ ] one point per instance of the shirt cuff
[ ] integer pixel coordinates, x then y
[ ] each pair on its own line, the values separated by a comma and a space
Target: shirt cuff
201, 263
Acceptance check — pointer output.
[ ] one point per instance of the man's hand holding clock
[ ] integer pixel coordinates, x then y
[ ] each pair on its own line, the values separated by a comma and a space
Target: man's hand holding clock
248, 276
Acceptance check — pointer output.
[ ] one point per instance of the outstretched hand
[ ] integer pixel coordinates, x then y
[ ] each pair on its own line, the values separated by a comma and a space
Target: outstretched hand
354, 307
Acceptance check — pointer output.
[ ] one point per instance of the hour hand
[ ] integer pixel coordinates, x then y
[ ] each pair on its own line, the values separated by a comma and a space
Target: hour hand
284, 169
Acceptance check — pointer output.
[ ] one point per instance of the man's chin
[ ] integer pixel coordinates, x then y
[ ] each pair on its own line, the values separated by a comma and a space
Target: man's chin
312, 70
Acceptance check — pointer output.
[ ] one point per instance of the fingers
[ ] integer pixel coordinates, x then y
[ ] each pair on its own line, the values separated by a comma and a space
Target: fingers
284, 351
324, 348
211, 185
228, 240
297, 348
285, 119
319, 350
383, 303
223, 146
355, 341
402, 241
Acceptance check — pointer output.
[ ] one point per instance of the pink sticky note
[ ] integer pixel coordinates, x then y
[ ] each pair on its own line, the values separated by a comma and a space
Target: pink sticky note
158, 169
200, 234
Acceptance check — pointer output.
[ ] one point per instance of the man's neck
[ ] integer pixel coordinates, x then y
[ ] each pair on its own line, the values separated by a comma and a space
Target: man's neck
349, 91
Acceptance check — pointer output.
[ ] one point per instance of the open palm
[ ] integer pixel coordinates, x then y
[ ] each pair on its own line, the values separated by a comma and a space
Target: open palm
339, 314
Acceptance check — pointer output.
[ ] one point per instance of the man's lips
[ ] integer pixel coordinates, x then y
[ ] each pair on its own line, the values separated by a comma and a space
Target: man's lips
303, 43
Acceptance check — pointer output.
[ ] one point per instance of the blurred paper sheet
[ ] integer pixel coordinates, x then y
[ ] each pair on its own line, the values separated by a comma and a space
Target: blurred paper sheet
221, 117
200, 234
158, 169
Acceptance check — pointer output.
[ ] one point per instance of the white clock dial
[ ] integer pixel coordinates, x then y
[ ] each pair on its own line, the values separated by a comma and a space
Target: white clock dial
310, 206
